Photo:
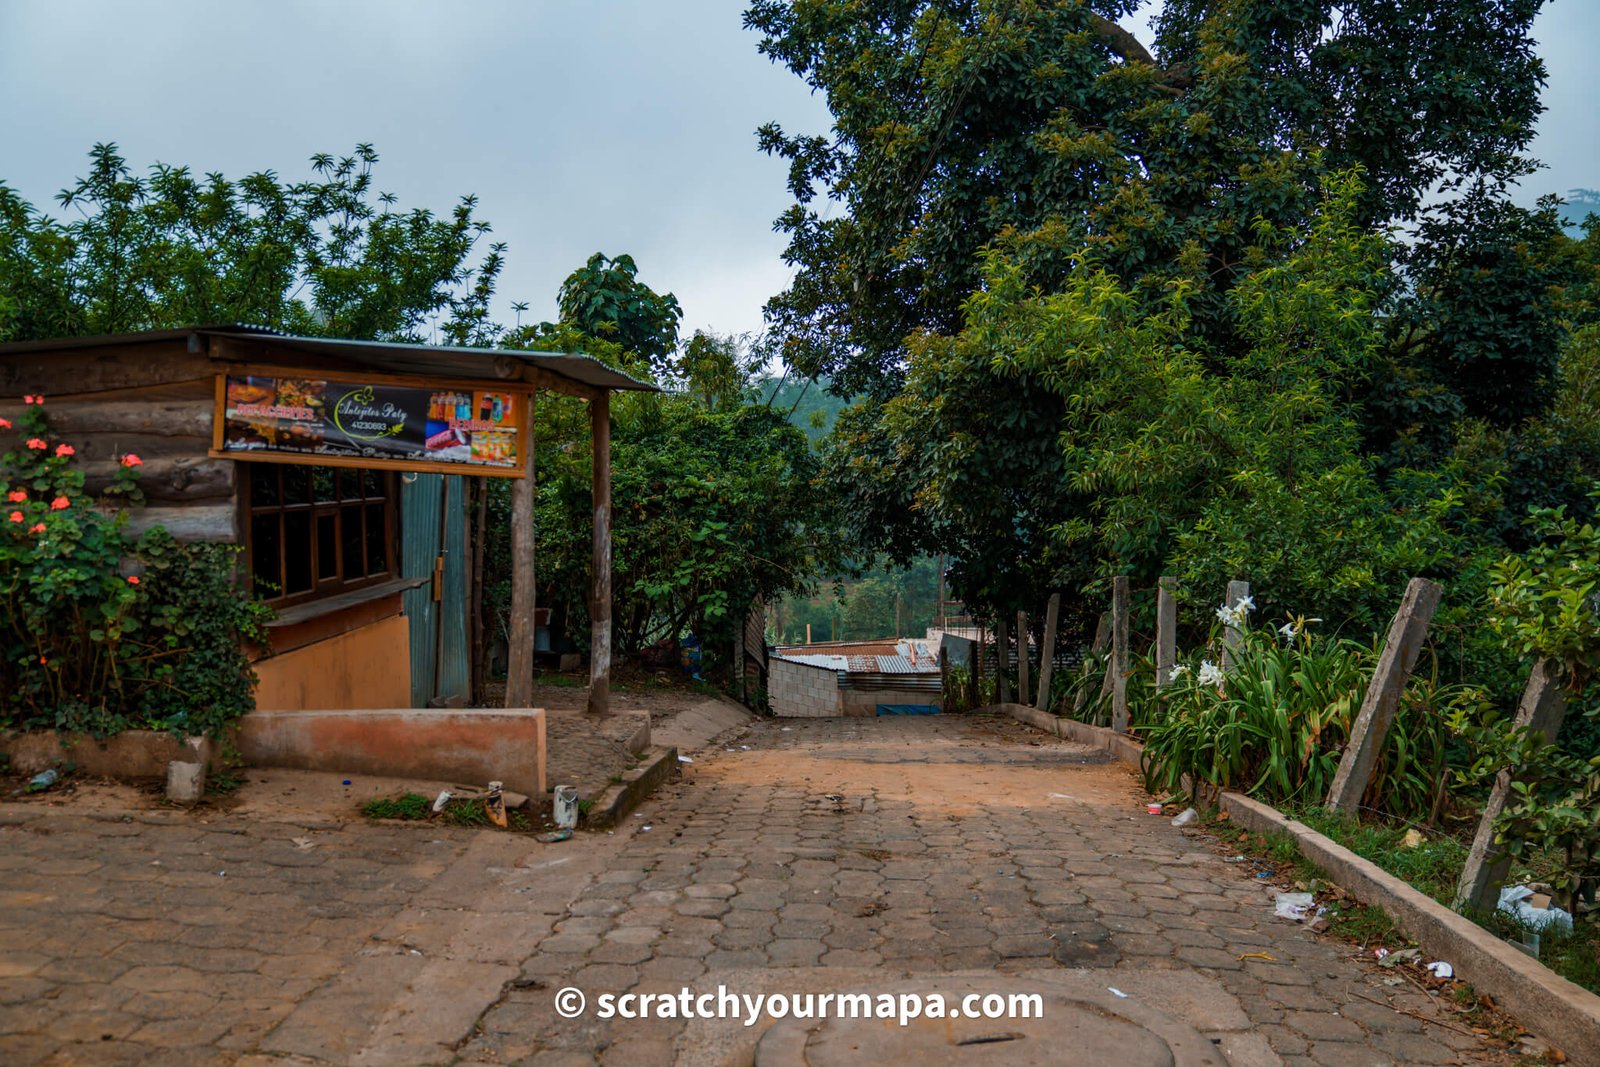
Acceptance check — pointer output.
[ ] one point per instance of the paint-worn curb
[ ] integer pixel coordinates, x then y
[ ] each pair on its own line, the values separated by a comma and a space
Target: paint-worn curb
1561, 1012
614, 804
1121, 746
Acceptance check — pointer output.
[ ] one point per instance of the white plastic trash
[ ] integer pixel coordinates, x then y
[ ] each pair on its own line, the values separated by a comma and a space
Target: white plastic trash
1294, 906
1187, 816
566, 807
1515, 901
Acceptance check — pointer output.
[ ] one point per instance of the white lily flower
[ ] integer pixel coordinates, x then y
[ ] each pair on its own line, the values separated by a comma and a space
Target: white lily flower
1172, 675
1246, 605
1210, 673
1288, 631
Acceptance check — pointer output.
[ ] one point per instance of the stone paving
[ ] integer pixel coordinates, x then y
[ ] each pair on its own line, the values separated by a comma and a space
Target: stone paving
810, 855
878, 849
123, 936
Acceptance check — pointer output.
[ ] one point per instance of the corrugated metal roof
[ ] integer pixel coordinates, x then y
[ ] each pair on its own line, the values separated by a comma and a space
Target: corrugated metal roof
396, 357
903, 656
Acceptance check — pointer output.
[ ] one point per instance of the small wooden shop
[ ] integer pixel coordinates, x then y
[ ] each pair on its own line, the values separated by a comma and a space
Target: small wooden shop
339, 467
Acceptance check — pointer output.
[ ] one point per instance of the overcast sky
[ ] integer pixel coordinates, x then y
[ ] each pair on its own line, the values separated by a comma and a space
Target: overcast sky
582, 125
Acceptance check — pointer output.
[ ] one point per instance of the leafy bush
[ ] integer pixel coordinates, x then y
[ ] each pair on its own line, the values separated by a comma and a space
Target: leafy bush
102, 634
1274, 724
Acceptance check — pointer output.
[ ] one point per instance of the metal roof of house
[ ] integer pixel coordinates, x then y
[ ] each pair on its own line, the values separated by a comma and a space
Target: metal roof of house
395, 357
906, 655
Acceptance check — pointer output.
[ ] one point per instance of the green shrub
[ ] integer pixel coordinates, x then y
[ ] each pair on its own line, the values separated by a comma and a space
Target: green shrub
100, 633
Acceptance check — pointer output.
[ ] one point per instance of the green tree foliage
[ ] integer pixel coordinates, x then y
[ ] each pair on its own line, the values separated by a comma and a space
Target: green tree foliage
605, 299
329, 256
959, 121
1129, 309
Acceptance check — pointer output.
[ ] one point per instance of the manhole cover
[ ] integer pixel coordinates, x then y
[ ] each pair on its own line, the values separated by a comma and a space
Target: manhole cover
1075, 1027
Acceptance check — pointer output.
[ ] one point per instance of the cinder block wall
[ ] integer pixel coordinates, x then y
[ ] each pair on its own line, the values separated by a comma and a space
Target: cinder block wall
796, 690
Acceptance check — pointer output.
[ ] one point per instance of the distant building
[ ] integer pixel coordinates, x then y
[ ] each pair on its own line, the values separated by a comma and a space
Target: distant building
895, 676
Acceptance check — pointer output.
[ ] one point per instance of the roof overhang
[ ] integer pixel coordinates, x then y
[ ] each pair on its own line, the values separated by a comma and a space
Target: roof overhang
567, 372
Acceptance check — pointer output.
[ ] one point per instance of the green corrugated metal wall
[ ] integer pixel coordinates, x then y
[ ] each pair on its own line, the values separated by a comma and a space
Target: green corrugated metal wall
422, 499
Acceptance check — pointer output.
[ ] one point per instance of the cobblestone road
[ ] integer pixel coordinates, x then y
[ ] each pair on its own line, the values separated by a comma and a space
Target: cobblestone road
825, 855
882, 848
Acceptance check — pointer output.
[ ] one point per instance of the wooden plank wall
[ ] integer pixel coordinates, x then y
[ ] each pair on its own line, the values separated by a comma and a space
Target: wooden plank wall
166, 424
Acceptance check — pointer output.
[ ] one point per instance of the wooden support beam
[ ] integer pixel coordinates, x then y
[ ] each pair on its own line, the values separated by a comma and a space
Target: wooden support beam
1024, 690
519, 647
1002, 659
1400, 651
1047, 655
1540, 711
1231, 635
1166, 629
1119, 653
600, 595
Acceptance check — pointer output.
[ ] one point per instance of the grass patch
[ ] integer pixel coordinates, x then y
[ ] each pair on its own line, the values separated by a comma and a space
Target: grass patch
1433, 866
405, 806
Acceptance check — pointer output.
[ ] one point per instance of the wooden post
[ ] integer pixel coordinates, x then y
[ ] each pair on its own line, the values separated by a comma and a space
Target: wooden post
1047, 655
1166, 630
1400, 651
1002, 659
1542, 708
1237, 591
1119, 653
600, 594
519, 643
1024, 690
1102, 641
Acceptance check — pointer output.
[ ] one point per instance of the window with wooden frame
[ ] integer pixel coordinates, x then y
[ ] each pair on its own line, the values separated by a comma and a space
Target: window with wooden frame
318, 531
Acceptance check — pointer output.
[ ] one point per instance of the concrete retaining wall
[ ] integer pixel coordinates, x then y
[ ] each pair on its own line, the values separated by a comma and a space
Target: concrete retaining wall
471, 747
131, 754
798, 690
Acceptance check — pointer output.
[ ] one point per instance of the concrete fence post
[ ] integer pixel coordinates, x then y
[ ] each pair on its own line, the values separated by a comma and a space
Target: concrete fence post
1400, 651
1166, 630
1542, 708
1231, 635
1119, 653
1002, 668
1047, 655
1024, 690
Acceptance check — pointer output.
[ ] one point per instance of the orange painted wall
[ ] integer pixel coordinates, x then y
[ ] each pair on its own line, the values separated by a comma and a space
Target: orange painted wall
369, 667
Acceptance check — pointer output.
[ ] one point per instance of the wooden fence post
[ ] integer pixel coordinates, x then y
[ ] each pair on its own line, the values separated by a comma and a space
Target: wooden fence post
1119, 653
1237, 592
1540, 711
1047, 658
1166, 630
1400, 651
1002, 662
1024, 690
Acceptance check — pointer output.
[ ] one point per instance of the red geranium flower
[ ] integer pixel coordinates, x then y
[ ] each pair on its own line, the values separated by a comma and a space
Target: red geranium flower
36, 444
16, 516
59, 503
37, 527
33, 399
131, 460
17, 496
133, 579
5, 424
65, 450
